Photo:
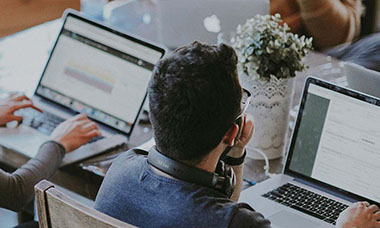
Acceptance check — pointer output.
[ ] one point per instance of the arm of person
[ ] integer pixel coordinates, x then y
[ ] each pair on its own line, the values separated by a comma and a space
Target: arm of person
331, 22
359, 215
17, 188
245, 216
237, 151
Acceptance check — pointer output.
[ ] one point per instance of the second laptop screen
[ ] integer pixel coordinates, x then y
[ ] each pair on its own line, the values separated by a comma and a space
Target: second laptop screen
99, 73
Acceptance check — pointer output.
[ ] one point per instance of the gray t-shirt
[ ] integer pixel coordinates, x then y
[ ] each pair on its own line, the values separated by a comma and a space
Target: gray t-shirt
134, 193
17, 188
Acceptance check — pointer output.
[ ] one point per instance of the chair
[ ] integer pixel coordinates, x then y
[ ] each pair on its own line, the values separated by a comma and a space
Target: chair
57, 210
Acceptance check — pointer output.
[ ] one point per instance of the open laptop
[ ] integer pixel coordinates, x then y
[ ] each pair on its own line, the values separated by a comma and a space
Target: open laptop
333, 160
92, 69
362, 79
203, 20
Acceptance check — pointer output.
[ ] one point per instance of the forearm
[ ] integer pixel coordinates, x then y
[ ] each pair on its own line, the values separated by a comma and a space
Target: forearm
16, 189
239, 181
331, 22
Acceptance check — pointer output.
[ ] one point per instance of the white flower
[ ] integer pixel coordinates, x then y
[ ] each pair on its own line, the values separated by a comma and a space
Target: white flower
265, 47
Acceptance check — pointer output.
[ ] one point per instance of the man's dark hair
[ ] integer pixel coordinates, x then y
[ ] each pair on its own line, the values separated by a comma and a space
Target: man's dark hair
194, 99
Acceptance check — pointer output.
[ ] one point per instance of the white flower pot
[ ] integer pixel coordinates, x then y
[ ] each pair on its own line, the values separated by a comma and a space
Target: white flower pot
270, 105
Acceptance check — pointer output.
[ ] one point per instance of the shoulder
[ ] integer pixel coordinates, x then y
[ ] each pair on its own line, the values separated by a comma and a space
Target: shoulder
128, 161
130, 155
245, 216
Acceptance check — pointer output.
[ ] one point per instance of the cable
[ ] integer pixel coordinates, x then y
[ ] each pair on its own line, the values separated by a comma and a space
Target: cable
266, 166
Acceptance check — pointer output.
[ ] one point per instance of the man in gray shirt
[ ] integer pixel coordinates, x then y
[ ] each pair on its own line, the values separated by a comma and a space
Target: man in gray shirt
17, 188
195, 109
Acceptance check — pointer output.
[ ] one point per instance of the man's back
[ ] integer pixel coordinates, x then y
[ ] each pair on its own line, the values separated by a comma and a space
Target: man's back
133, 192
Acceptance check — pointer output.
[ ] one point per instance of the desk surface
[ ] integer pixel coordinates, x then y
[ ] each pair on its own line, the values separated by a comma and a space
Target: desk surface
22, 58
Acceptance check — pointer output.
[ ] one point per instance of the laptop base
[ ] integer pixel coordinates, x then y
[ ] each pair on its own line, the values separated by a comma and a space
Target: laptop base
277, 213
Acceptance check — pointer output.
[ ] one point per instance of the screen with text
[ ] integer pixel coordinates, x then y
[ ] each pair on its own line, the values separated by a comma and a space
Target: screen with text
338, 142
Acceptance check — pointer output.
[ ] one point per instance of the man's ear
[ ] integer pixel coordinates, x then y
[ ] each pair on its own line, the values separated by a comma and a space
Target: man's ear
231, 134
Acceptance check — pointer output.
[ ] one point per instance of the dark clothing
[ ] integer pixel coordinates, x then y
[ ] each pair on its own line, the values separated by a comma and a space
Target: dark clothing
32, 224
133, 192
364, 52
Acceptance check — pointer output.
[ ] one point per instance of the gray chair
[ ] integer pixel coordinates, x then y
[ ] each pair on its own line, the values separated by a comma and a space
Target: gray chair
57, 210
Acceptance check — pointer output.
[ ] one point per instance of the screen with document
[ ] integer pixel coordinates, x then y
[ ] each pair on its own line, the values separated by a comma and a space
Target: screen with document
99, 72
338, 141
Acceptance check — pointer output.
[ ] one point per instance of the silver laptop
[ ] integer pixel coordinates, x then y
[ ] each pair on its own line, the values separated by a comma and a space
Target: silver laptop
362, 79
184, 21
333, 160
92, 69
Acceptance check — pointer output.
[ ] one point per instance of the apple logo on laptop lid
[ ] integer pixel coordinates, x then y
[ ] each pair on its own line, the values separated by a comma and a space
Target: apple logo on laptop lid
212, 24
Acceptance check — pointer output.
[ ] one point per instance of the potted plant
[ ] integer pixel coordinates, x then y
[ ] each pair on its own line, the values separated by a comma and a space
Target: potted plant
269, 57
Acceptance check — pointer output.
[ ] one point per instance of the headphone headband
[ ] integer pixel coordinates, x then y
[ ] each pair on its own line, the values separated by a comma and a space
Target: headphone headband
180, 170
223, 180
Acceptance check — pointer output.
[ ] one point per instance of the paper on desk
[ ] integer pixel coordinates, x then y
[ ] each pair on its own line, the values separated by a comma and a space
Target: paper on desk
147, 145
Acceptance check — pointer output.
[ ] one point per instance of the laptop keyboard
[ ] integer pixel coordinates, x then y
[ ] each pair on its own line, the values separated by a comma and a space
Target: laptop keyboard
44, 122
307, 202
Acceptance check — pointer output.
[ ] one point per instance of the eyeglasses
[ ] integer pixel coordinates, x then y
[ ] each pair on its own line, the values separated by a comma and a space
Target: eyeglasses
245, 100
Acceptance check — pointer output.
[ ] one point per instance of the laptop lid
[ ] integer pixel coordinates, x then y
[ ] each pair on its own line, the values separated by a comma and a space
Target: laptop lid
203, 20
336, 141
362, 79
98, 71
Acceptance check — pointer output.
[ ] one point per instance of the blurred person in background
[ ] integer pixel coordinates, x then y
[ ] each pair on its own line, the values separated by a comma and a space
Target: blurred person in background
329, 22
17, 15
334, 26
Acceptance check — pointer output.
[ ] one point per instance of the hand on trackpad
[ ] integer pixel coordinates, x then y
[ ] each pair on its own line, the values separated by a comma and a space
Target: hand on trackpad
287, 219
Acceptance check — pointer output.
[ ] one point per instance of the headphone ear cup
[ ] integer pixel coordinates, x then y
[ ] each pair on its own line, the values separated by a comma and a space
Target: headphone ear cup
226, 177
231, 178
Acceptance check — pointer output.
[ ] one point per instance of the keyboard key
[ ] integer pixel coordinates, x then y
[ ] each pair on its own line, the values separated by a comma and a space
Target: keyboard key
308, 202
44, 122
307, 212
95, 139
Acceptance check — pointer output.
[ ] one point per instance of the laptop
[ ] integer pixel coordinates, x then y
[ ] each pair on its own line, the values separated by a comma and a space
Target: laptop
333, 160
203, 20
362, 79
92, 69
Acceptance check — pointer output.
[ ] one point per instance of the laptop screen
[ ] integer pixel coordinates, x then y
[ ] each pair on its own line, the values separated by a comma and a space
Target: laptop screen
337, 140
99, 72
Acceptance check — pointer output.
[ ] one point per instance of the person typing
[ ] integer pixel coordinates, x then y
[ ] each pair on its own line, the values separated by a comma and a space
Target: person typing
17, 188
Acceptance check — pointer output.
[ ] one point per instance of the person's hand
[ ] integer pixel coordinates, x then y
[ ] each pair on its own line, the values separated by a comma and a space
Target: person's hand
245, 136
359, 215
11, 104
75, 132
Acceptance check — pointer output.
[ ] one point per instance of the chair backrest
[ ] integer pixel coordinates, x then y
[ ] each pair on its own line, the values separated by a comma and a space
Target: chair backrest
57, 210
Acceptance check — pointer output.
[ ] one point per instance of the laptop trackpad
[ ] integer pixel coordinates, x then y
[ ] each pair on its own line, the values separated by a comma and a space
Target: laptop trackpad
287, 219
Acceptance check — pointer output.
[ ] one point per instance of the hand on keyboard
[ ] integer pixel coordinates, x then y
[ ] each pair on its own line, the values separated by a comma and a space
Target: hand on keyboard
75, 132
13, 103
361, 215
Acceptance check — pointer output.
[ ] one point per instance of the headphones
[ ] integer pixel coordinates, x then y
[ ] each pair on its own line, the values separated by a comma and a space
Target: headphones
223, 180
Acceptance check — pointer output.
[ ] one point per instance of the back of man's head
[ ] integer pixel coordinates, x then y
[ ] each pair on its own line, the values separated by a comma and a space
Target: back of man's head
194, 98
